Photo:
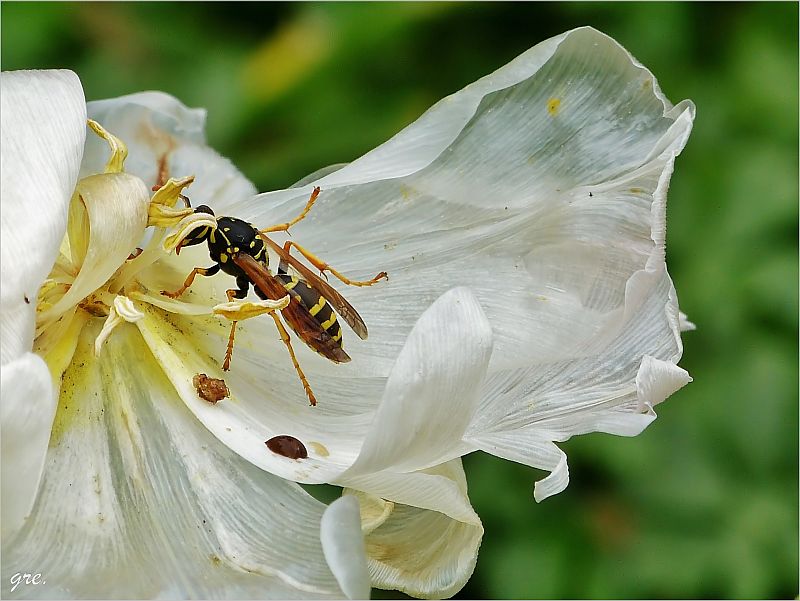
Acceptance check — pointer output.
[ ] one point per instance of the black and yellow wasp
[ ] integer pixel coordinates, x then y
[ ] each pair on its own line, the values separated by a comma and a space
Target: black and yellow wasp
240, 249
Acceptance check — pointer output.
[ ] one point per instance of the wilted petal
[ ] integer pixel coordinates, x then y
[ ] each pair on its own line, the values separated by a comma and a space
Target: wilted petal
134, 486
542, 188
425, 540
543, 216
547, 198
107, 221
343, 545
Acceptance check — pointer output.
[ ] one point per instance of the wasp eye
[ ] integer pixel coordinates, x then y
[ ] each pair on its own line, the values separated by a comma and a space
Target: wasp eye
204, 209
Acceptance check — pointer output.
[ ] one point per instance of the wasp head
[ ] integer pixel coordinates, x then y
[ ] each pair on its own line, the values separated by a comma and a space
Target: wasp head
199, 235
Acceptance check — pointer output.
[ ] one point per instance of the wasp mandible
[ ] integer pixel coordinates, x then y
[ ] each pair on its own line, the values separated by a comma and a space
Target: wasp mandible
241, 250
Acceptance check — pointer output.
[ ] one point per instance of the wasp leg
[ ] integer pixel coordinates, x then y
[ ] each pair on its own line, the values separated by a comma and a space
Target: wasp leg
190, 278
226, 364
285, 337
284, 227
244, 285
323, 266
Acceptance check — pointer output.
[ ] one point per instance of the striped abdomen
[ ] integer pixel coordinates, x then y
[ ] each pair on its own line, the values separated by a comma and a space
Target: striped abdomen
319, 308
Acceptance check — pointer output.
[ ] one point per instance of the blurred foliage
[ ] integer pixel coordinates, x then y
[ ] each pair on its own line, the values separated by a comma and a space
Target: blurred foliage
705, 502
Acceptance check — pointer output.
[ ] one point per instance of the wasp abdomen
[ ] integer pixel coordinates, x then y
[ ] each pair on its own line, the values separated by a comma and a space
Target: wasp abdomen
319, 308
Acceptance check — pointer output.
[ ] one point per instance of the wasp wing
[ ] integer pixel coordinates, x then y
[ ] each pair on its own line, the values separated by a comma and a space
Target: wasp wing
328, 292
308, 329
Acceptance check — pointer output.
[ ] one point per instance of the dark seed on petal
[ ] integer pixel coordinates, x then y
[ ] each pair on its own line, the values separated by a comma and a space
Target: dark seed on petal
288, 446
27, 300
210, 389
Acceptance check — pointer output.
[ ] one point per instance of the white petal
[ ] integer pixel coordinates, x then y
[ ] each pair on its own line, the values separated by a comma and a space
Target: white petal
542, 188
656, 380
134, 485
618, 397
432, 390
343, 545
502, 203
426, 544
686, 325
26, 416
43, 128
532, 447
255, 410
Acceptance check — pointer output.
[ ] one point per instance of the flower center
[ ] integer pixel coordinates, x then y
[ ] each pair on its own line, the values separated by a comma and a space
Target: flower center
95, 274
99, 257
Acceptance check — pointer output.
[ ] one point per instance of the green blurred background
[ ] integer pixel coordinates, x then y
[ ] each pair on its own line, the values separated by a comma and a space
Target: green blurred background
705, 502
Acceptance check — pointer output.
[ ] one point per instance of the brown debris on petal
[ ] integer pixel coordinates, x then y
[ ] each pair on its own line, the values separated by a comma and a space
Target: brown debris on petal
287, 446
212, 390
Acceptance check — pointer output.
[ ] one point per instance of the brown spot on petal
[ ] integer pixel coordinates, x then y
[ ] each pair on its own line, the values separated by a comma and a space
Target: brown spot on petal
210, 389
287, 446
553, 105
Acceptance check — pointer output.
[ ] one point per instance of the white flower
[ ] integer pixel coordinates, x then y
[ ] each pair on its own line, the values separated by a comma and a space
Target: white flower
137, 498
522, 224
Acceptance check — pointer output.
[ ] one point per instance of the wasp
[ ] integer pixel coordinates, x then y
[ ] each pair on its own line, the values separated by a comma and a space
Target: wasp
241, 250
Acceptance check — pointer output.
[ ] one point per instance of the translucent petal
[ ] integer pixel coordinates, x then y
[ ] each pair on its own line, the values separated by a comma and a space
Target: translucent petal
426, 542
547, 257
134, 486
541, 187
150, 123
546, 196
163, 133
43, 128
